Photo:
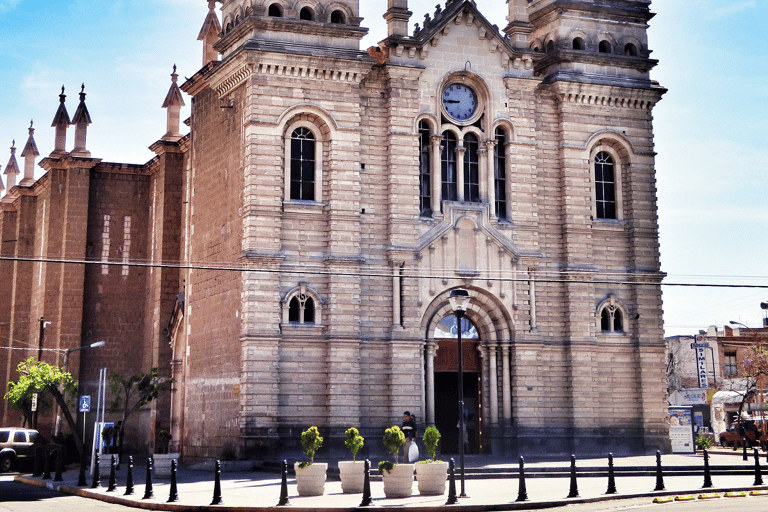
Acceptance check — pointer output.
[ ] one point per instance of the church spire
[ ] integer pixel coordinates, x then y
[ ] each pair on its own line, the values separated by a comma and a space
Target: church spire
81, 120
173, 102
209, 34
29, 153
12, 169
61, 121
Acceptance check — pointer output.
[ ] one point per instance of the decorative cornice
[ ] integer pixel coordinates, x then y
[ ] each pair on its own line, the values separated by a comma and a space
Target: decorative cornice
230, 79
606, 96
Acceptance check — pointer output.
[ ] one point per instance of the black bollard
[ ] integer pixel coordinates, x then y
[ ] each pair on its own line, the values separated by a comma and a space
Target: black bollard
611, 476
217, 485
758, 475
59, 465
574, 492
174, 494
659, 476
81, 474
452, 499
46, 467
149, 492
744, 443
129, 478
283, 485
38, 468
112, 477
707, 474
522, 492
367, 485
96, 481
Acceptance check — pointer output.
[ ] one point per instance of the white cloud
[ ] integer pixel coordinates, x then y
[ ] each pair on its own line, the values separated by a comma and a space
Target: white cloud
7, 5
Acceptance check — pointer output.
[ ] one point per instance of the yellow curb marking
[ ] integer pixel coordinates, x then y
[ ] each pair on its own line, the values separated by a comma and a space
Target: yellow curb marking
740, 494
758, 493
666, 499
685, 497
709, 496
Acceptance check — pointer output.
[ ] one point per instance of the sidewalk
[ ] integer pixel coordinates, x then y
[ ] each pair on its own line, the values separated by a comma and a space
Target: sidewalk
256, 491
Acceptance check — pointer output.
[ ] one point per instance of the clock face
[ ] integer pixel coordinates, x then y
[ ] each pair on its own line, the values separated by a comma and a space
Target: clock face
459, 101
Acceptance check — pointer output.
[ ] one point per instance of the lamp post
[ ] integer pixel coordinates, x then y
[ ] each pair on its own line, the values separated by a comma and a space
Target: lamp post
459, 300
68, 351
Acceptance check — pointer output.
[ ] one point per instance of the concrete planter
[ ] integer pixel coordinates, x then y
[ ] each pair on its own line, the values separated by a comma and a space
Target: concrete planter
398, 483
352, 475
161, 462
310, 480
432, 477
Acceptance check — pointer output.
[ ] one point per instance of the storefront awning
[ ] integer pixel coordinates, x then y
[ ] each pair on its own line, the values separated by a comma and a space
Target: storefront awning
727, 397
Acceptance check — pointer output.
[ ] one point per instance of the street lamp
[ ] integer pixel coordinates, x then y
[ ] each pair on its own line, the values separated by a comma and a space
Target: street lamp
459, 300
68, 351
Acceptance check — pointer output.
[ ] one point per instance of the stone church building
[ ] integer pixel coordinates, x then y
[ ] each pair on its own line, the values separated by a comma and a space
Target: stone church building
288, 260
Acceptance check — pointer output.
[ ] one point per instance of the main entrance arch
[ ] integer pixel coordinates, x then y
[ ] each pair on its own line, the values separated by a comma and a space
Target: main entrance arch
486, 340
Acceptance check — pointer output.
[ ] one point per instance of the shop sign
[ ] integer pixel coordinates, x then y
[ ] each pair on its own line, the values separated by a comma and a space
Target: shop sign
681, 430
701, 363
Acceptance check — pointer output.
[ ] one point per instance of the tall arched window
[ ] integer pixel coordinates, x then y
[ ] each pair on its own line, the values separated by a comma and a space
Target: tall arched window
301, 309
611, 319
448, 167
605, 186
500, 174
425, 186
471, 169
302, 165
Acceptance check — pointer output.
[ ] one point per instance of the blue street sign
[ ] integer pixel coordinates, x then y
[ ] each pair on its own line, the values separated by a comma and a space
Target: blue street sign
85, 403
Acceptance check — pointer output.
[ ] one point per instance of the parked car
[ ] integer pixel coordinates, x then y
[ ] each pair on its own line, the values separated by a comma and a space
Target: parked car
18, 445
735, 434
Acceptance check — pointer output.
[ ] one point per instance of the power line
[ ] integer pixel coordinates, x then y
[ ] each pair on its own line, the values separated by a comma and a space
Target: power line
653, 278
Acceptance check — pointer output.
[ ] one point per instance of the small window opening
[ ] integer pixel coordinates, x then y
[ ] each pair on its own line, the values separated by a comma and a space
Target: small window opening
611, 319
630, 50
306, 14
275, 11
578, 44
337, 17
550, 47
604, 47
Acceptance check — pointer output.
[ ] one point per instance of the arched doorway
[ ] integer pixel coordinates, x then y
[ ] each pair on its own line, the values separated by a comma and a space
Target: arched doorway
447, 386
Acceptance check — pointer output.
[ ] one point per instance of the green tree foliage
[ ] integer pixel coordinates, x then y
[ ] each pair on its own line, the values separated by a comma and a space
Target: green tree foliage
131, 393
310, 443
394, 439
42, 378
354, 441
431, 437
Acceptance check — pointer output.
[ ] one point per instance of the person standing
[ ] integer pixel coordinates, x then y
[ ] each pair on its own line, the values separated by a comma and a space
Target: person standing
409, 429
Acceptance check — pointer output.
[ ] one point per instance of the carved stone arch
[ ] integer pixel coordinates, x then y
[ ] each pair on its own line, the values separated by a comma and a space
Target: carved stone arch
508, 128
430, 119
578, 35
605, 36
538, 46
304, 291
639, 48
345, 10
473, 130
612, 304
312, 5
486, 312
453, 129
316, 115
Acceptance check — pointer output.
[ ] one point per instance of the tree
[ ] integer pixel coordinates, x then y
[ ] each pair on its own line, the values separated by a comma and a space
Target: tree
132, 393
39, 377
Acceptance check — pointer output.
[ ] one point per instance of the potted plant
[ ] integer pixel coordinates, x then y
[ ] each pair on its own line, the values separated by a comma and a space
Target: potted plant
310, 477
161, 461
431, 474
397, 478
352, 472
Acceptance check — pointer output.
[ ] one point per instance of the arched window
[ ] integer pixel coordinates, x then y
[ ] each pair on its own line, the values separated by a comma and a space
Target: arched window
550, 46
301, 309
302, 165
471, 169
604, 47
275, 10
448, 167
578, 44
306, 14
500, 174
337, 17
630, 50
425, 180
611, 319
605, 186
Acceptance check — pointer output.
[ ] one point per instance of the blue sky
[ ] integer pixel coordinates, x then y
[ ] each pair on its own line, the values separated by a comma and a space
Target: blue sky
710, 126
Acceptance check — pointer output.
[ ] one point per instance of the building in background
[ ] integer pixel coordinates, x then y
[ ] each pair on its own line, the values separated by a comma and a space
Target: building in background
289, 260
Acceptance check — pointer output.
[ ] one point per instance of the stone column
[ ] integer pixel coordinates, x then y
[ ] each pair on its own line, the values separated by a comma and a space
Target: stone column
430, 351
435, 169
506, 385
493, 379
460, 150
482, 167
490, 144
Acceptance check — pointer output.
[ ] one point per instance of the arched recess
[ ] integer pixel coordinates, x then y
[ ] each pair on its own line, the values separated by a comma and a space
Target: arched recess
620, 150
612, 316
492, 379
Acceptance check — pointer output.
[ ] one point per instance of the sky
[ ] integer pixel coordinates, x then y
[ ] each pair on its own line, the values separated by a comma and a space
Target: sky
710, 127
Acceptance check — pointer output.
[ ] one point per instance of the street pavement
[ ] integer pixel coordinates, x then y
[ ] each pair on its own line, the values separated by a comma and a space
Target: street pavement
548, 487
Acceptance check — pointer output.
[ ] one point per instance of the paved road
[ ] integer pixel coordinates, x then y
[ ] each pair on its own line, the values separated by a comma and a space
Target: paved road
17, 497
646, 505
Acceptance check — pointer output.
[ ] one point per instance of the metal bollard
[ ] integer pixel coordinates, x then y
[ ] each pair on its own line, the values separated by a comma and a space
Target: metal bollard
283, 485
129, 478
611, 476
59, 465
174, 494
522, 492
81, 473
38, 468
659, 476
149, 492
452, 499
758, 475
217, 485
574, 491
707, 474
112, 477
744, 443
46, 467
96, 482
366, 485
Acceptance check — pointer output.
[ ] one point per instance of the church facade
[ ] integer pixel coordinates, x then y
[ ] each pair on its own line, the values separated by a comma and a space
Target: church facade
327, 200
